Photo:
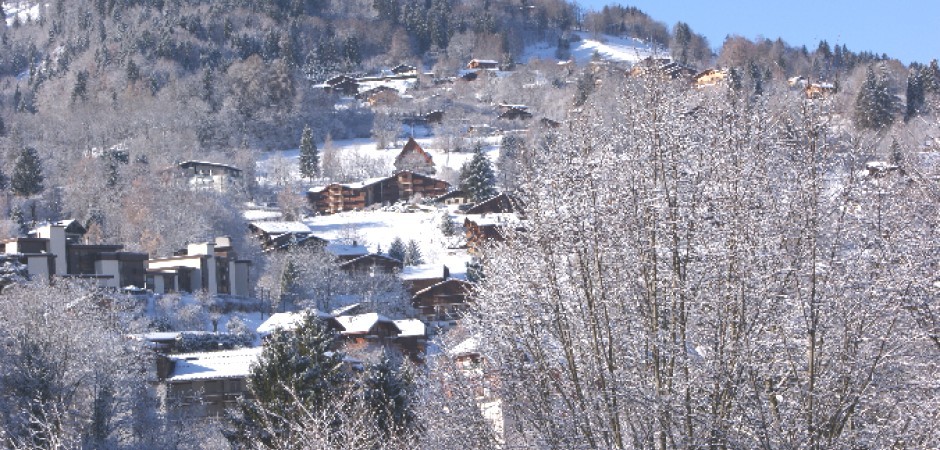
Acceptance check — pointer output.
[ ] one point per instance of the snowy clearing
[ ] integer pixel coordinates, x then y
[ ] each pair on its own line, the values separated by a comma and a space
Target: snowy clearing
610, 48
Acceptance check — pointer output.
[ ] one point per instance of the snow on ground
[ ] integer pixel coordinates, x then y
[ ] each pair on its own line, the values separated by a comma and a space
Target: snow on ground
271, 163
611, 48
23, 9
377, 229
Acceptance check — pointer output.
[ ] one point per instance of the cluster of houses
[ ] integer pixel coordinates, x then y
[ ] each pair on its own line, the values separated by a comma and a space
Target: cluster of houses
57, 250
411, 179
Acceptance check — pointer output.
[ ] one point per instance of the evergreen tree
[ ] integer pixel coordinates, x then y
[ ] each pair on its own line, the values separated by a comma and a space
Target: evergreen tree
397, 249
413, 255
4, 181
309, 155
874, 104
387, 392
477, 177
474, 271
296, 370
915, 93
80, 91
27, 174
447, 224
290, 280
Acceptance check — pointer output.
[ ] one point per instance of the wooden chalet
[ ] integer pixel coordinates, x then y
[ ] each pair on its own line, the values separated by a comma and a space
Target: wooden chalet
276, 235
403, 185
485, 64
515, 114
662, 67
413, 157
443, 301
500, 203
342, 84
404, 69
380, 95
210, 175
454, 197
420, 277
710, 77
819, 90
434, 116
482, 228
371, 264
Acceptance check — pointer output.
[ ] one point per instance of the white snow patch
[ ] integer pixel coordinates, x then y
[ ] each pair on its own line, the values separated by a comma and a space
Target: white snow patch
610, 48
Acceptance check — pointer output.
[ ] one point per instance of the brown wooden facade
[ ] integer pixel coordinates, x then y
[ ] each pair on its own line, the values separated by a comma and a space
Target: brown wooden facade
372, 264
348, 197
443, 301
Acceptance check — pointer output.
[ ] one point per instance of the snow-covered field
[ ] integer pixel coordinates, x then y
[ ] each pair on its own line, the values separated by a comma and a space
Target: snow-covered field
25, 10
611, 48
377, 229
287, 160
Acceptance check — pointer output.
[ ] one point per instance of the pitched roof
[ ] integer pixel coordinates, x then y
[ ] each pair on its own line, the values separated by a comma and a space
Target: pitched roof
464, 284
362, 323
214, 365
412, 147
276, 228
370, 256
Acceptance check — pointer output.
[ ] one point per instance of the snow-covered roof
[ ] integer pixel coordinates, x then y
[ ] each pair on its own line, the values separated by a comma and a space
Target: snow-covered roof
494, 219
485, 61
361, 323
214, 365
341, 249
467, 347
422, 272
286, 321
441, 283
410, 327
274, 227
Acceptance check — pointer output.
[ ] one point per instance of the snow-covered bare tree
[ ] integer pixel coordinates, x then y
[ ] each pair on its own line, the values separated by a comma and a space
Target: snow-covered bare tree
705, 270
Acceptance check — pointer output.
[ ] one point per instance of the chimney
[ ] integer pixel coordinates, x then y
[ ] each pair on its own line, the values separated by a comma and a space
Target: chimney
446, 272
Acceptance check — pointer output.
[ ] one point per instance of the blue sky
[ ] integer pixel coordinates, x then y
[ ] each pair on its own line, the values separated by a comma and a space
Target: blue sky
908, 30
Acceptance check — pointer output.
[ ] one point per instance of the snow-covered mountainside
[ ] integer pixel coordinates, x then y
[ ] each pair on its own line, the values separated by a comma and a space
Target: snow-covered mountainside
610, 48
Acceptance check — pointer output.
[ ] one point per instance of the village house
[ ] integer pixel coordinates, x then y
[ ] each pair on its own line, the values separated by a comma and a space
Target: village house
379, 95
279, 235
404, 185
404, 69
483, 228
210, 175
207, 266
196, 385
500, 203
413, 158
371, 264
819, 90
485, 64
423, 276
205, 384
513, 112
345, 250
454, 197
359, 332
54, 250
710, 77
342, 84
442, 302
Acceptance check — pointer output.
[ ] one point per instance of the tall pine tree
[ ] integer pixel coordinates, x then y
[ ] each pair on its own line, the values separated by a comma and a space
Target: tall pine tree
397, 249
27, 174
413, 255
874, 106
296, 371
477, 176
387, 390
309, 155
